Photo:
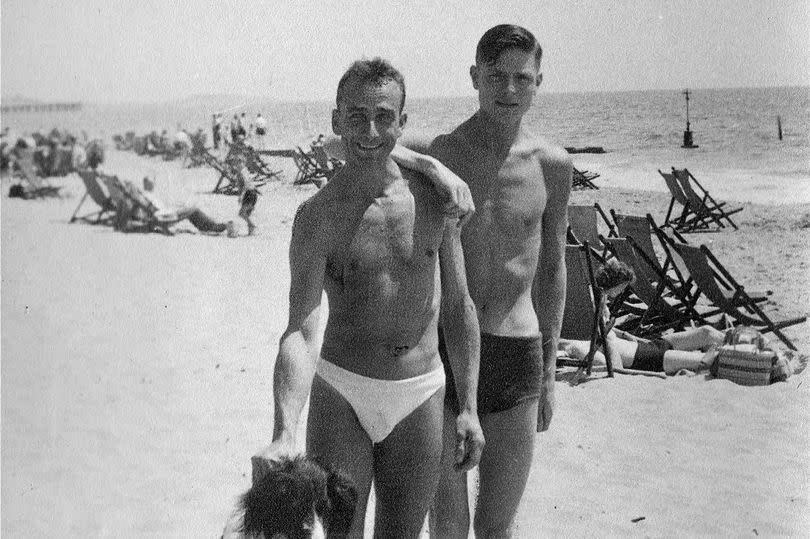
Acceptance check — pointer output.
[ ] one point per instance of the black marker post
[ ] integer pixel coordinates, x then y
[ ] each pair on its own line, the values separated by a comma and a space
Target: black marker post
687, 135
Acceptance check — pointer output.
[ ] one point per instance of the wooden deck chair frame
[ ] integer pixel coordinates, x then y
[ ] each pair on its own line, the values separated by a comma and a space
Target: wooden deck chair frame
227, 174
702, 201
94, 190
689, 219
583, 226
135, 213
741, 308
659, 310
582, 316
309, 171
582, 179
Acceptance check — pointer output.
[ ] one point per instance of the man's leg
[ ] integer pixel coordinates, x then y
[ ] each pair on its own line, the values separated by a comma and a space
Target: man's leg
335, 436
450, 512
200, 220
406, 470
504, 468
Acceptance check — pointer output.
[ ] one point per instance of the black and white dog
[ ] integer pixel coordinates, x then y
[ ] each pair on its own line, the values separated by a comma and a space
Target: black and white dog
297, 499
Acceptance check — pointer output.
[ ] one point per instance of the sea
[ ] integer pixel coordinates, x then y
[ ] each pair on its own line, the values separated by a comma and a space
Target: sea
734, 129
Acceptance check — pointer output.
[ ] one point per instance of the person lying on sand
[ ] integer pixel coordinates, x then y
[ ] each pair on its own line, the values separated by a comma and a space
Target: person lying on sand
693, 349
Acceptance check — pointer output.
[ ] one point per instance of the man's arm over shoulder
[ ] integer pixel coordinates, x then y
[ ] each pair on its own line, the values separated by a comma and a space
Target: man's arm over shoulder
550, 280
298, 353
462, 336
418, 154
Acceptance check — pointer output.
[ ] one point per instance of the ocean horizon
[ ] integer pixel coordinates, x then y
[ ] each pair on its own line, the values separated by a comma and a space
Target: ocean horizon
734, 128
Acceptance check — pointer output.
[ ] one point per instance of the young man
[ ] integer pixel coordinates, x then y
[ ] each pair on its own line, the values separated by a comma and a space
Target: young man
377, 241
520, 186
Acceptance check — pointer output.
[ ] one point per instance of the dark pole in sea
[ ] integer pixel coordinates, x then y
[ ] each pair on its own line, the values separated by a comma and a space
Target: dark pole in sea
779, 126
687, 135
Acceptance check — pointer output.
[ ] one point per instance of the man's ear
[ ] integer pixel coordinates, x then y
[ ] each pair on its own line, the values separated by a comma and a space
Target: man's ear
403, 119
539, 78
474, 74
336, 122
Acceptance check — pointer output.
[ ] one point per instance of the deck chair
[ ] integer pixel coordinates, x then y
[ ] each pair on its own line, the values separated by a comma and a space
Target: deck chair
134, 211
583, 226
657, 302
256, 166
582, 316
94, 190
583, 179
690, 218
740, 307
702, 201
33, 185
229, 180
309, 170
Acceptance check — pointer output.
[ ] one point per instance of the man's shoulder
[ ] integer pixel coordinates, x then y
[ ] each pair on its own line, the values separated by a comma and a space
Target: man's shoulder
551, 152
421, 189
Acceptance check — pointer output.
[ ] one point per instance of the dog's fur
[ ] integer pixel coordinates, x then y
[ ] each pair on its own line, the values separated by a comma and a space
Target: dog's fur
294, 498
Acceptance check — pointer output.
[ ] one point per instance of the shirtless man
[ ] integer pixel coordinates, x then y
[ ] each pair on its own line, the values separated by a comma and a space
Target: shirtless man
377, 241
520, 186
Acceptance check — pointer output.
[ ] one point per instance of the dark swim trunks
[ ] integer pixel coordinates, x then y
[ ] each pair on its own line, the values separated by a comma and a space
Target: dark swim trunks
650, 355
511, 372
249, 198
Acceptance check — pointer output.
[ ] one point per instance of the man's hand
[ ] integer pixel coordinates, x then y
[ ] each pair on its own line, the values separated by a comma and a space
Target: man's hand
262, 460
469, 441
454, 192
545, 409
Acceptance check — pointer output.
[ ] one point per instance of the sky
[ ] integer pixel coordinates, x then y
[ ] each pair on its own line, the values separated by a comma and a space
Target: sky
161, 50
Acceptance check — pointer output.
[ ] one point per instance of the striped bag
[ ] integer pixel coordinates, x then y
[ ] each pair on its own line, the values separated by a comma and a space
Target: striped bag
745, 358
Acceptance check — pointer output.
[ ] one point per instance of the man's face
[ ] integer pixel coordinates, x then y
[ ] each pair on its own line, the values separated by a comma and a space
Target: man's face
368, 120
507, 87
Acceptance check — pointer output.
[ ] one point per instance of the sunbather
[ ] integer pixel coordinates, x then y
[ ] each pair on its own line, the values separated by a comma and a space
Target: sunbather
693, 349
202, 221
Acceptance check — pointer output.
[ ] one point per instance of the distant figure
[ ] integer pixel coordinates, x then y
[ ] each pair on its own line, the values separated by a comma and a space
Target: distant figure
201, 221
241, 128
261, 130
216, 128
234, 128
94, 153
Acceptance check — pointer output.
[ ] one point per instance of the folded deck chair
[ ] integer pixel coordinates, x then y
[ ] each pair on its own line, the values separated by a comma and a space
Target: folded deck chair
94, 190
583, 179
582, 316
740, 307
33, 185
702, 202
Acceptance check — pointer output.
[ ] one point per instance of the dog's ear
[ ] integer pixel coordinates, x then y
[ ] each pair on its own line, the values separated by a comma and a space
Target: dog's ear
343, 499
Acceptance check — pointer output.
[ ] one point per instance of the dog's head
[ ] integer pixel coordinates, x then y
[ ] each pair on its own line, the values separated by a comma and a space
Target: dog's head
299, 499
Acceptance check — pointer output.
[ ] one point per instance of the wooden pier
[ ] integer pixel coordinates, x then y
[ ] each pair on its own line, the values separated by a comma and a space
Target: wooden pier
40, 107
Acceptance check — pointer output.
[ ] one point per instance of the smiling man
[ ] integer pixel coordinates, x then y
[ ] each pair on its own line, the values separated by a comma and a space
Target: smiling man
377, 241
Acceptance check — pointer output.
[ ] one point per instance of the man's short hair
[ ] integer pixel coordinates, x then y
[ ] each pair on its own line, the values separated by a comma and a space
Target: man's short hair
506, 36
374, 71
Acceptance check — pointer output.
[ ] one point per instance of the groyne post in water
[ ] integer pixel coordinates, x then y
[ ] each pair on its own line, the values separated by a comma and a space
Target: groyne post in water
779, 126
687, 135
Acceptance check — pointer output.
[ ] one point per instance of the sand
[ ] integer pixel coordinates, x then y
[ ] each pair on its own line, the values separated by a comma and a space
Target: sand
136, 382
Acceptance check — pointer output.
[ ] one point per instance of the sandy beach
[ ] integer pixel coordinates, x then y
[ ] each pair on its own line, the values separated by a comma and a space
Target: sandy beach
136, 377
